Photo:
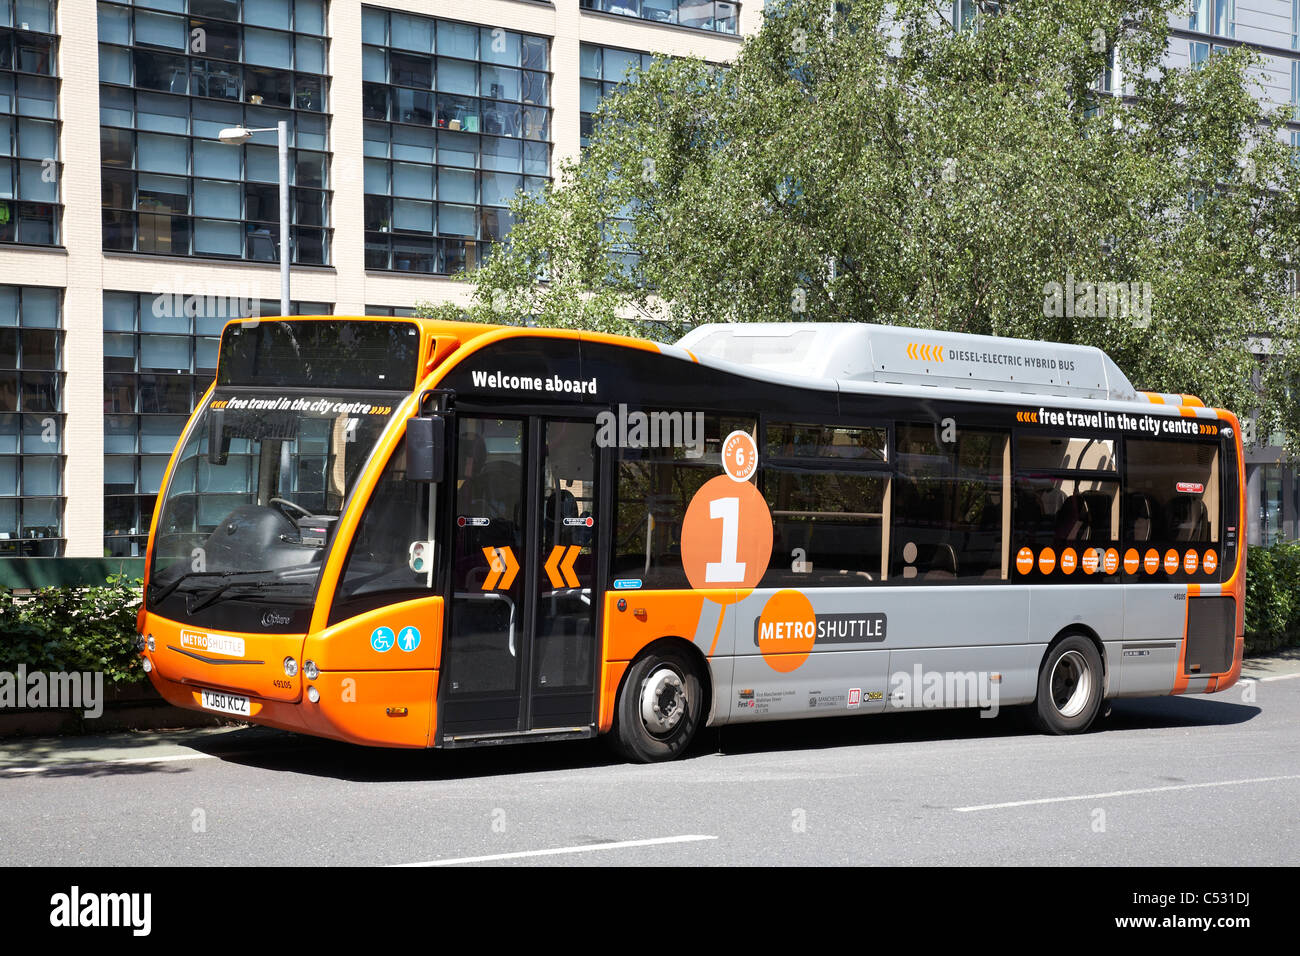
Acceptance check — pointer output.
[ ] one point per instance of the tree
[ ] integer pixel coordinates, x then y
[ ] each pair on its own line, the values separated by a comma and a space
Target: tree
876, 165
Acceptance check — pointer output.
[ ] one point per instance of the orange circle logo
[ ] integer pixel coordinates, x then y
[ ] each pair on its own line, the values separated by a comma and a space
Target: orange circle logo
787, 630
739, 456
1047, 560
1171, 561
1111, 561
1131, 561
1152, 561
1190, 560
726, 535
1091, 558
1025, 560
1069, 561
1210, 562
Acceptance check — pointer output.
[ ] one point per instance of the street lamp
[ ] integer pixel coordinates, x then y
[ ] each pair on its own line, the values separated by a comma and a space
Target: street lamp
237, 136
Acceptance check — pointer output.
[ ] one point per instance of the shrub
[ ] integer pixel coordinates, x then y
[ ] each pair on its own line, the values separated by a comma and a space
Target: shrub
1272, 597
73, 629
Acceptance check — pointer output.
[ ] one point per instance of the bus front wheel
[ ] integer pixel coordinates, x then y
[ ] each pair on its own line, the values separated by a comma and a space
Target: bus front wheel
1069, 687
659, 708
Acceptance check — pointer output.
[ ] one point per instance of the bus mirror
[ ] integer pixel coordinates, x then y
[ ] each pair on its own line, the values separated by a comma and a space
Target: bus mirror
218, 440
424, 448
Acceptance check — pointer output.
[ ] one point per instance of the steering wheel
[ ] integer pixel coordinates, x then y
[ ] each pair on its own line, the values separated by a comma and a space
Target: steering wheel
285, 505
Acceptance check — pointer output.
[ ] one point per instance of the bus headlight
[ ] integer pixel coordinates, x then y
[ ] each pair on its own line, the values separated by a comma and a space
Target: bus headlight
309, 670
148, 666
150, 643
313, 695
290, 666
139, 642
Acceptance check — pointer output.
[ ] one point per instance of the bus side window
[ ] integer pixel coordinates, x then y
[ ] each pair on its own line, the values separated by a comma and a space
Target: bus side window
950, 502
825, 486
653, 486
375, 572
1067, 501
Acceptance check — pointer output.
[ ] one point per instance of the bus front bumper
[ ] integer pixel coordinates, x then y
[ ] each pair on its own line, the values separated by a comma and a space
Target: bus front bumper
374, 708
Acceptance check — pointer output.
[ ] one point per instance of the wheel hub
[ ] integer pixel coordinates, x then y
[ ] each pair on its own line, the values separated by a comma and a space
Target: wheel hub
1071, 684
663, 701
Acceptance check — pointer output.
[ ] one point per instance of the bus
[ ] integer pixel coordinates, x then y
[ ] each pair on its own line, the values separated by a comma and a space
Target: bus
403, 532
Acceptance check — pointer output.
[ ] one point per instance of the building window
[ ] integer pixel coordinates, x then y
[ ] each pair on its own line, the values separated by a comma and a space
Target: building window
602, 70
29, 123
457, 121
160, 355
31, 422
169, 82
718, 17
964, 14
1214, 16
392, 310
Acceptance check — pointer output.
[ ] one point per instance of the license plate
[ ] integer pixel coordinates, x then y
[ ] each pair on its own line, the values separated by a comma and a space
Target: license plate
225, 703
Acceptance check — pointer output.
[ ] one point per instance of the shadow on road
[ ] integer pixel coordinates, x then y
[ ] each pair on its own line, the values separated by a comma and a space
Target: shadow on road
289, 753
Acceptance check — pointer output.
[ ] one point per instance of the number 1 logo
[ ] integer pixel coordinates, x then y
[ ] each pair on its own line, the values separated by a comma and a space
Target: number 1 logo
726, 535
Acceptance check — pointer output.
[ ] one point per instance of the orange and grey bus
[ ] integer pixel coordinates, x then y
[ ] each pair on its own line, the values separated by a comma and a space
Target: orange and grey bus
412, 533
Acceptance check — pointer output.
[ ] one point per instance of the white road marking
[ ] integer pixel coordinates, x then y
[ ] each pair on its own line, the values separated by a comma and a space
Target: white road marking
1126, 793
584, 848
1274, 677
47, 767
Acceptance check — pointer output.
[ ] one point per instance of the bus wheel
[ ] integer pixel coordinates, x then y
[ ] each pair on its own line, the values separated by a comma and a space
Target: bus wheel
1069, 687
659, 708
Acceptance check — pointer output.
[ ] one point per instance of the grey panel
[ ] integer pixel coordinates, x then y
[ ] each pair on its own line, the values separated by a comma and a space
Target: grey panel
820, 688
1141, 668
913, 684
1154, 612
720, 671
1053, 608
914, 616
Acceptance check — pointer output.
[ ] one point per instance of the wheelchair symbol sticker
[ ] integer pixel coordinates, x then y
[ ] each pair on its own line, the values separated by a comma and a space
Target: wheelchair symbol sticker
408, 638
381, 639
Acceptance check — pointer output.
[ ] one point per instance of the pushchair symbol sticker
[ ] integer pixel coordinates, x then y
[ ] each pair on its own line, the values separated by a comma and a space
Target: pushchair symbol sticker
408, 638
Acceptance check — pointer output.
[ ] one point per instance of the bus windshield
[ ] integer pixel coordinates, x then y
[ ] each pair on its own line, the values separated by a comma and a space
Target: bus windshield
256, 491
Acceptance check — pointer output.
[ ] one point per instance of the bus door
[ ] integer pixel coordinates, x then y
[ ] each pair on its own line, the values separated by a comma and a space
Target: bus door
521, 645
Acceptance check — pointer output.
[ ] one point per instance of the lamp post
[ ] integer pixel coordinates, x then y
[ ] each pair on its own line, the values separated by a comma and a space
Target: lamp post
237, 136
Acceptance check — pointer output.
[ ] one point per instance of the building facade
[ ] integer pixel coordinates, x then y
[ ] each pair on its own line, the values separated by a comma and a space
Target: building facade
129, 234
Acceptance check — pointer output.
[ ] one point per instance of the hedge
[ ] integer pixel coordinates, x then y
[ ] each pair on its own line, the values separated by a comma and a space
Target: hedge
73, 629
1272, 597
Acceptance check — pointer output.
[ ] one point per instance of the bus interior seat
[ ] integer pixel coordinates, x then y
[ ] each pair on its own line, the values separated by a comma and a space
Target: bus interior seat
1073, 520
1188, 519
1051, 501
943, 564
1141, 517
1098, 505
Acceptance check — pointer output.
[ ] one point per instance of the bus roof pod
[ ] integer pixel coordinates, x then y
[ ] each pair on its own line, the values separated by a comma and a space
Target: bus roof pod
858, 352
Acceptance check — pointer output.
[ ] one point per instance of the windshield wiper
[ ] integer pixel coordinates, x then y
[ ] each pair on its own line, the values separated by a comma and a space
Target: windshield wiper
220, 590
155, 598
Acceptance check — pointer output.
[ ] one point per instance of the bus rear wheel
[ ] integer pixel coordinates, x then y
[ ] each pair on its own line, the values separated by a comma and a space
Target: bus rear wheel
1069, 687
659, 708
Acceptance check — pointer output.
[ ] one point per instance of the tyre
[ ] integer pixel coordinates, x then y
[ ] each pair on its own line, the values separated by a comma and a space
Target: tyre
1070, 687
660, 707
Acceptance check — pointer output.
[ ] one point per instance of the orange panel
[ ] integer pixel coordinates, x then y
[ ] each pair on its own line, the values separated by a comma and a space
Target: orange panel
251, 664
651, 615
346, 646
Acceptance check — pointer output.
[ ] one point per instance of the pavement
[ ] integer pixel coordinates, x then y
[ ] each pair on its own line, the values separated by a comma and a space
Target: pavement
1196, 780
